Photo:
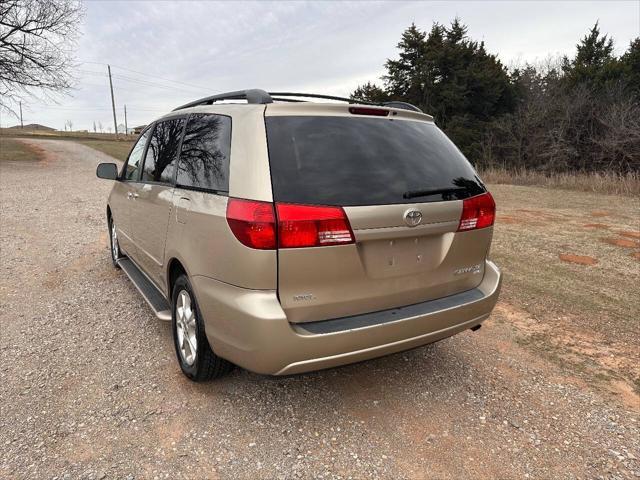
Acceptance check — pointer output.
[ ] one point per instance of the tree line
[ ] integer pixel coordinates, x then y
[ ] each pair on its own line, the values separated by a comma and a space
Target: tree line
579, 113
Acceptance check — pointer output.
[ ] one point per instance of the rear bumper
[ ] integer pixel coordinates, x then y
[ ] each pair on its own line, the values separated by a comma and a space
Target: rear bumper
249, 327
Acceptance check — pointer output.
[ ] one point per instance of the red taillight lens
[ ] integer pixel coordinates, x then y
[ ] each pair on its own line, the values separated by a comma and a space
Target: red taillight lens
477, 212
312, 226
376, 112
252, 222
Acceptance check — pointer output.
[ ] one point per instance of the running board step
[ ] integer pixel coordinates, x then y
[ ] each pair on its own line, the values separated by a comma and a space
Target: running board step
149, 291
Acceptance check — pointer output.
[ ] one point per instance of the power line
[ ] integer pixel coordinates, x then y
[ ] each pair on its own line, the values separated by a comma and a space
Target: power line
140, 81
147, 83
93, 109
120, 88
199, 87
135, 81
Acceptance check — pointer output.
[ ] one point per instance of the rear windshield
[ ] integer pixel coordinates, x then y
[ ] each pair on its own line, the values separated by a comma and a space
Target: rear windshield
365, 161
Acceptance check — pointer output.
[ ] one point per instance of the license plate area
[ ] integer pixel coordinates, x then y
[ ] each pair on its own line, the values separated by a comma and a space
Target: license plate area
404, 256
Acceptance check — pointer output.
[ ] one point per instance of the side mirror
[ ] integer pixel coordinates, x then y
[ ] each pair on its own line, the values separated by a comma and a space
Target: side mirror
108, 171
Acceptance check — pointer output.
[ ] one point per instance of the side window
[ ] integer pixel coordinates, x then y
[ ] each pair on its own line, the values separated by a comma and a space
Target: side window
162, 154
204, 158
135, 158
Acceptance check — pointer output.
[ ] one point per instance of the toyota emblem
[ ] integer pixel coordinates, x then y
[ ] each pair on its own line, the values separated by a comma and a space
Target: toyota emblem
413, 217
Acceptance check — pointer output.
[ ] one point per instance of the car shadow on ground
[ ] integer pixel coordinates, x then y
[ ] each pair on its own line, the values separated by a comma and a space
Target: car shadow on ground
435, 371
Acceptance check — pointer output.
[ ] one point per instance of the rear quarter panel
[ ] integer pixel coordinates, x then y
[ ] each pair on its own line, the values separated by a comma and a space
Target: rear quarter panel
200, 238
198, 234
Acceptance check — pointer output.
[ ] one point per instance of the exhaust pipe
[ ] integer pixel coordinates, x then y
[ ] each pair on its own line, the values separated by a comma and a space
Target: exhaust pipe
476, 328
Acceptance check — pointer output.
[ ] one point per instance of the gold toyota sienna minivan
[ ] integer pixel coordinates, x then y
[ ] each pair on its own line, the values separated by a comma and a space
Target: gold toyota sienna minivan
286, 236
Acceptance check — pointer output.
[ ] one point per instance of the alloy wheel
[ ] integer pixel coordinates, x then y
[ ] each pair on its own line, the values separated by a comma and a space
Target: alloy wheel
186, 328
115, 249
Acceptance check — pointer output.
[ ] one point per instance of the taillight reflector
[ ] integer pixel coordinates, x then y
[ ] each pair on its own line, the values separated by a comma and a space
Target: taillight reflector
252, 222
312, 226
376, 112
477, 212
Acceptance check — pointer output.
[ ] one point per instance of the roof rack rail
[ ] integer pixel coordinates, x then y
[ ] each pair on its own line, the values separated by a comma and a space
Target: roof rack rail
392, 104
257, 96
324, 97
401, 105
251, 96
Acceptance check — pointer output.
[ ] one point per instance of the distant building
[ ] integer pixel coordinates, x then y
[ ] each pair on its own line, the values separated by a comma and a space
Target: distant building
35, 126
138, 130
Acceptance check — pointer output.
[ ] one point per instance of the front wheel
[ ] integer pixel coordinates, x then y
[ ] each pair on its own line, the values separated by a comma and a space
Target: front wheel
116, 254
197, 360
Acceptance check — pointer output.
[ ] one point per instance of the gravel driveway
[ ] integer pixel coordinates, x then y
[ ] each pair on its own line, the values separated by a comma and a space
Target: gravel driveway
89, 387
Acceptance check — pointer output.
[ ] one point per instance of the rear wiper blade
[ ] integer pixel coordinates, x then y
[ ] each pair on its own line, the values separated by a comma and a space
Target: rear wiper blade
433, 191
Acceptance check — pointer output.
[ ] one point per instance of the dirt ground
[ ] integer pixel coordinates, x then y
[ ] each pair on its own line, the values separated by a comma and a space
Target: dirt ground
89, 386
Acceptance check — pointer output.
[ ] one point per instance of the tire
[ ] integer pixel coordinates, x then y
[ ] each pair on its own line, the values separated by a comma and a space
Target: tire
197, 360
116, 253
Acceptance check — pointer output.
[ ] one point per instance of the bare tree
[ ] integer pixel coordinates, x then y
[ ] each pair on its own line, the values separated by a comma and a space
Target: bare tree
36, 37
94, 127
100, 127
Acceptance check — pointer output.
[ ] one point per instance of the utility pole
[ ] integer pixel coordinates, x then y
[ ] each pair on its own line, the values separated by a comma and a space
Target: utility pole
113, 102
21, 124
126, 130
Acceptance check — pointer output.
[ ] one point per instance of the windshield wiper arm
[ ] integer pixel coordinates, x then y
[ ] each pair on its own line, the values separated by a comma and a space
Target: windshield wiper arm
433, 191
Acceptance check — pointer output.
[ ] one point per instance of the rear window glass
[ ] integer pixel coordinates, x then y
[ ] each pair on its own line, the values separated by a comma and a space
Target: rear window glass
364, 161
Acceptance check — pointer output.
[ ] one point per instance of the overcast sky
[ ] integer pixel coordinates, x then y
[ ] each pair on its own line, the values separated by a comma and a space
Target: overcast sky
164, 54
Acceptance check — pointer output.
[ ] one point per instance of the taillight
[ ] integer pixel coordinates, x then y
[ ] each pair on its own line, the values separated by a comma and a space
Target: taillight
477, 212
312, 226
252, 222
376, 112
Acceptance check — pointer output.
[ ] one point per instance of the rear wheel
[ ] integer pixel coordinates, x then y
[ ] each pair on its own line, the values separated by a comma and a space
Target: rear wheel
197, 360
115, 246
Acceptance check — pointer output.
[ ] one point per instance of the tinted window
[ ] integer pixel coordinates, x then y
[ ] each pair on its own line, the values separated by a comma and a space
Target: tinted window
162, 153
364, 161
135, 158
204, 159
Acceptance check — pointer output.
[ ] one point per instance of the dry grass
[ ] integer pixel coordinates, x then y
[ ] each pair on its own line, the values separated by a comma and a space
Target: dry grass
571, 263
610, 183
116, 148
55, 134
12, 150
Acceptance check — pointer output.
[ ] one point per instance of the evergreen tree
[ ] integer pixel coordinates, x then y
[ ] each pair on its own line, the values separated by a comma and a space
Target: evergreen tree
630, 66
370, 92
450, 77
580, 113
594, 62
404, 76
453, 78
